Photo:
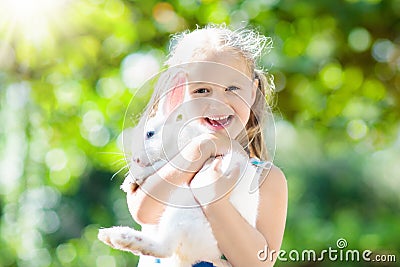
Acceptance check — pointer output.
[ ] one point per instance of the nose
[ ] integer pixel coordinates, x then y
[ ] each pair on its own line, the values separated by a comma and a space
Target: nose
140, 162
219, 94
219, 101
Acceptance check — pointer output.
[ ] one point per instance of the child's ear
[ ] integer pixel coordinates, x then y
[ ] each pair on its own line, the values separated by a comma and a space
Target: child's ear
176, 92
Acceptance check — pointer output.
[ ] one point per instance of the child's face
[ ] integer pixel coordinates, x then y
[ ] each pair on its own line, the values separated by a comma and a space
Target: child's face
221, 93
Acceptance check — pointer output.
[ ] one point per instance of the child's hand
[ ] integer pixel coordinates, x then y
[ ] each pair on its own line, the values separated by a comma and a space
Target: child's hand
218, 144
201, 148
211, 184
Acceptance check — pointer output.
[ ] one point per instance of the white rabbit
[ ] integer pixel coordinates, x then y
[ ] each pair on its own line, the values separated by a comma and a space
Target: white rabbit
183, 233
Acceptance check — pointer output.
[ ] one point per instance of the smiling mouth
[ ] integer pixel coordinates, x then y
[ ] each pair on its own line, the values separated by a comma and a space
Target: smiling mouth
219, 121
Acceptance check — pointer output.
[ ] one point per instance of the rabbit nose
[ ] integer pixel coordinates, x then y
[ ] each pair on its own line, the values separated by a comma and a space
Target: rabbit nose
138, 161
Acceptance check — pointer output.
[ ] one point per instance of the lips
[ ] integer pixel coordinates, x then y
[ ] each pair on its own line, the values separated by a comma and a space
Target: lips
218, 122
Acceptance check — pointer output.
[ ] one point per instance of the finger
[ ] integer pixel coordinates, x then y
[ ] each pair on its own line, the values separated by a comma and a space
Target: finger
217, 163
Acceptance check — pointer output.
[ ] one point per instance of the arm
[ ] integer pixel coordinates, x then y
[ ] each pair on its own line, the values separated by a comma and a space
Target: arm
144, 203
238, 240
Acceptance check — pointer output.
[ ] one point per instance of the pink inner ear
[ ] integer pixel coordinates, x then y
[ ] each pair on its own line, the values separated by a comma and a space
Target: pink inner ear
176, 94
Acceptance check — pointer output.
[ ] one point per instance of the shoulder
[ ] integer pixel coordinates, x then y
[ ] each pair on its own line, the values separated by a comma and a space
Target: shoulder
273, 181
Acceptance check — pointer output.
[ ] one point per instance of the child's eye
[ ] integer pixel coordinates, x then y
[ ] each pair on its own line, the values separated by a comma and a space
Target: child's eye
232, 88
201, 91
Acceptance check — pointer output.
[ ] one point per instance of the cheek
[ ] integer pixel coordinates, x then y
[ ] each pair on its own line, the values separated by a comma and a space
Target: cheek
248, 97
244, 116
242, 108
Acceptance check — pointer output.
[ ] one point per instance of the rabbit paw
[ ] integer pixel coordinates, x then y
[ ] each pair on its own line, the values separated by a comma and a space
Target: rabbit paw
128, 239
117, 237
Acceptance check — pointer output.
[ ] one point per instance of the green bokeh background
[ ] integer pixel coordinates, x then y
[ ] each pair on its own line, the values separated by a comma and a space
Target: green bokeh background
68, 70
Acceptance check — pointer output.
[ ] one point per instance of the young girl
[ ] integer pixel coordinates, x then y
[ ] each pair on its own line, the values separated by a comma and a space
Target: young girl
232, 108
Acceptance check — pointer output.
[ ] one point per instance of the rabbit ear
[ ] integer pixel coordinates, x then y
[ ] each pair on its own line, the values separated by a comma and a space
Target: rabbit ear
176, 93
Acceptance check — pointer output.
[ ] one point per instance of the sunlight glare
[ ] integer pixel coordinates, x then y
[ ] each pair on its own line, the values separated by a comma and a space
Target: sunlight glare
31, 19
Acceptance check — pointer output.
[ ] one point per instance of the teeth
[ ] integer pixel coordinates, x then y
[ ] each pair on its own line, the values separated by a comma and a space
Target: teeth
219, 118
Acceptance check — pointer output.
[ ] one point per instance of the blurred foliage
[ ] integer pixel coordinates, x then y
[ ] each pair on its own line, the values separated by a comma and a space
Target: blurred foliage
69, 69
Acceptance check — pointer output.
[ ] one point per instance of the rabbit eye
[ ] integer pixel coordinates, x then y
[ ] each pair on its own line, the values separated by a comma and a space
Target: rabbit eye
150, 134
